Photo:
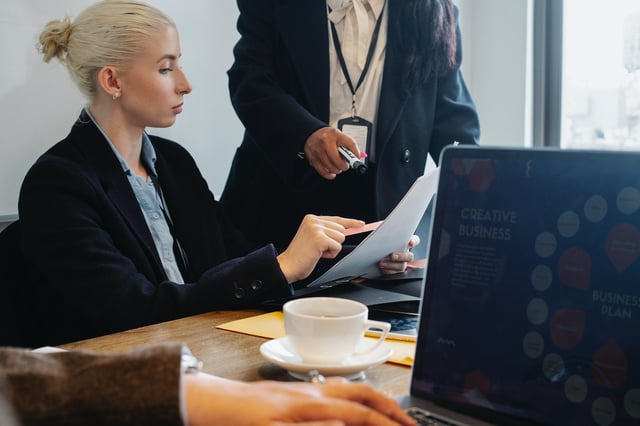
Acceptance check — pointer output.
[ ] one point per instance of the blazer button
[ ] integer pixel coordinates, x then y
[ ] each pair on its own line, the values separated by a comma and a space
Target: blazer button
406, 156
238, 291
256, 285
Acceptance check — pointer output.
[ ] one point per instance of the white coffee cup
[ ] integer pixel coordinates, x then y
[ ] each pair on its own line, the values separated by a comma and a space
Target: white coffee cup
327, 330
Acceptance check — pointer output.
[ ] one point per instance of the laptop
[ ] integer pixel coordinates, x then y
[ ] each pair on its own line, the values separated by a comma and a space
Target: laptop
530, 312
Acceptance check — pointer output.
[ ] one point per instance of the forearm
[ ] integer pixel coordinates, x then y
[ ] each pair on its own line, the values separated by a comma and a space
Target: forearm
140, 387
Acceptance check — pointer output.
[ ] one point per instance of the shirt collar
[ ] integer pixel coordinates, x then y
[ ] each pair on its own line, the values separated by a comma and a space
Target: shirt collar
375, 5
148, 154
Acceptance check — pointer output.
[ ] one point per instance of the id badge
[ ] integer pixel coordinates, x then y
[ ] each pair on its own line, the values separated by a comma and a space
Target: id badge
359, 130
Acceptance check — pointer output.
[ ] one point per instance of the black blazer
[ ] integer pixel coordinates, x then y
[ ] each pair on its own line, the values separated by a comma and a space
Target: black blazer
279, 86
93, 266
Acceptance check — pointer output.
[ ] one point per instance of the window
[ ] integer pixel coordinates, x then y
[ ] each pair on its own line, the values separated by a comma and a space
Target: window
600, 94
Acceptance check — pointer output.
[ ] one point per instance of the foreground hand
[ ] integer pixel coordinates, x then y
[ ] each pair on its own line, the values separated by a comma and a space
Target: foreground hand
397, 262
213, 400
321, 150
317, 237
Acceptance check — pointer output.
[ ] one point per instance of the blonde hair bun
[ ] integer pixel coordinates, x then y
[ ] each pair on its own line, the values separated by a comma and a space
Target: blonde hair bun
54, 39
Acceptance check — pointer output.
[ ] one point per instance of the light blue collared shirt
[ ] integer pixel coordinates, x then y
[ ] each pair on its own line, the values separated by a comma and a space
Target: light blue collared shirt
150, 204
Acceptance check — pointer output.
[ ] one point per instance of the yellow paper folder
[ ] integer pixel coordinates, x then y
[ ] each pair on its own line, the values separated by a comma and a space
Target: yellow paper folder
271, 326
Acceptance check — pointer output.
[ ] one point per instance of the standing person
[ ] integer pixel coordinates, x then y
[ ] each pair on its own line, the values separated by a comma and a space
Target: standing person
386, 72
119, 228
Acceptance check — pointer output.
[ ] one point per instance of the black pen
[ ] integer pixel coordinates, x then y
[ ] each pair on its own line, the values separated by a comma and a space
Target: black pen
354, 162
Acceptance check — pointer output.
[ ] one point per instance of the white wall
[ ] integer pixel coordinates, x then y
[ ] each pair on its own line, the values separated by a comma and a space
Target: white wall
496, 40
38, 102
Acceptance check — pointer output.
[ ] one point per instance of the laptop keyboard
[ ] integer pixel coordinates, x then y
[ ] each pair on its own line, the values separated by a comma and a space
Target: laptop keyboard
425, 418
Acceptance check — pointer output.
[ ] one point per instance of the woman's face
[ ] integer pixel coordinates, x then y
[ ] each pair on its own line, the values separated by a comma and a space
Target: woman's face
154, 86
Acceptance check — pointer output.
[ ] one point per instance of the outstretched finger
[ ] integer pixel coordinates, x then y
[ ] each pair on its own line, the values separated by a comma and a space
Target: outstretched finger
381, 405
344, 222
353, 413
318, 423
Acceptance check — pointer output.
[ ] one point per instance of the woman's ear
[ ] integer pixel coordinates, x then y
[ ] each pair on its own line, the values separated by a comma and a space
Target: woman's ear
107, 80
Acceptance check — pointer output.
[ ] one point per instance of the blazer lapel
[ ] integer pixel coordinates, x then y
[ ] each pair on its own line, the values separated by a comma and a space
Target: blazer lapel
102, 160
303, 25
393, 96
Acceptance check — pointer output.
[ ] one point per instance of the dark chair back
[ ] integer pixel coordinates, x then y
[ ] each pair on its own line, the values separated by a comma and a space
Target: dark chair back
15, 321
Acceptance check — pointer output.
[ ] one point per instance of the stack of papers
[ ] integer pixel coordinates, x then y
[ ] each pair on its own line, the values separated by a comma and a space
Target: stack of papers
391, 235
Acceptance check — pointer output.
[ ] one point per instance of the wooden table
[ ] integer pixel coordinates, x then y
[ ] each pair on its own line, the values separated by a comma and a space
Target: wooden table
228, 354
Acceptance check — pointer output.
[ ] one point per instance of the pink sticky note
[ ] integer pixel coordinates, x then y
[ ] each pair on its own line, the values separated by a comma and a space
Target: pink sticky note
366, 228
417, 264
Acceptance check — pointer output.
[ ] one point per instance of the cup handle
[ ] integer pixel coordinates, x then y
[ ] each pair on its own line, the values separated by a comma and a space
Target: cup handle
384, 326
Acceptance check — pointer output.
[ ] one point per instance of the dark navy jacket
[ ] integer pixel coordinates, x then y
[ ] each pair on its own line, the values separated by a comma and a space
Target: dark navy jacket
93, 267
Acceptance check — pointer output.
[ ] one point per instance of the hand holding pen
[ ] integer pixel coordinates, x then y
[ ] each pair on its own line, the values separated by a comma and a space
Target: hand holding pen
354, 162
320, 150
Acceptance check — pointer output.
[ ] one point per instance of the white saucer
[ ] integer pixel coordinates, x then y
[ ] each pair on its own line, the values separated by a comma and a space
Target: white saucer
279, 352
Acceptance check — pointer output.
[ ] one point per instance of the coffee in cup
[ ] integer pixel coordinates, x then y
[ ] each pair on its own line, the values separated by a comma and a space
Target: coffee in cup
327, 330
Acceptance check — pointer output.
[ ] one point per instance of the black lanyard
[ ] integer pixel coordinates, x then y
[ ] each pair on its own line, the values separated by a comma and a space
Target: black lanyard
343, 64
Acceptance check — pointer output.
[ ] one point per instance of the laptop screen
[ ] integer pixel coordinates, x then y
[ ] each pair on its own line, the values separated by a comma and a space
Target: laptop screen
531, 304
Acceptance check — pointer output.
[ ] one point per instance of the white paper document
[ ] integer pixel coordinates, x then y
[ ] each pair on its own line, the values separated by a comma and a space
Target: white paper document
392, 235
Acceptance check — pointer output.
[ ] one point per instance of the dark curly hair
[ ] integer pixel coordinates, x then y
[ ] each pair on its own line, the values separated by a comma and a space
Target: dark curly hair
427, 33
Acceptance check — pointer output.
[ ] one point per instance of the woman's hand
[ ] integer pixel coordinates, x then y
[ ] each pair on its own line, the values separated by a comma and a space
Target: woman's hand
317, 237
213, 400
397, 262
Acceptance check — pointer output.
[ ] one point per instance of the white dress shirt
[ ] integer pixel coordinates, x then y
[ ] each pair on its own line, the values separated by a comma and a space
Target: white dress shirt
355, 21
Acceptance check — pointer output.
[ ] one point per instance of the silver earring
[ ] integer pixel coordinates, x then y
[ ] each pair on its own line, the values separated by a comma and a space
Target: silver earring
116, 95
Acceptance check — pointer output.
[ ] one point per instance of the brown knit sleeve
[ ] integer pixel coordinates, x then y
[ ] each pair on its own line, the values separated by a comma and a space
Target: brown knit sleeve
140, 387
